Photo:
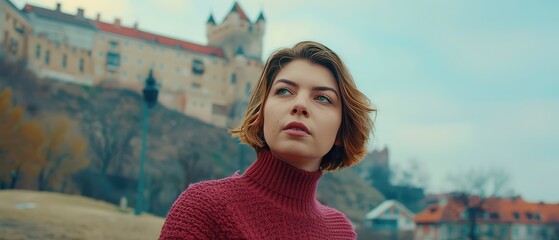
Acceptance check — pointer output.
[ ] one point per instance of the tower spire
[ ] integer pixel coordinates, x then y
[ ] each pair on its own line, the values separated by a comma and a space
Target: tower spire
261, 17
211, 19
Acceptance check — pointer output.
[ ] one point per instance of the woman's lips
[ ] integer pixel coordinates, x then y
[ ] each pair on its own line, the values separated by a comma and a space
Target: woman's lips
296, 129
296, 132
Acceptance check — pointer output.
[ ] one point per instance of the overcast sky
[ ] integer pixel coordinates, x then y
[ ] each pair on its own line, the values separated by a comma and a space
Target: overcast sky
458, 84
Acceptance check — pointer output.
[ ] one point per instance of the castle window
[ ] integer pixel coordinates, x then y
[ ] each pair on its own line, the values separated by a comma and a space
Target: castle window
198, 67
47, 57
38, 51
113, 60
196, 85
64, 60
81, 67
233, 78
14, 45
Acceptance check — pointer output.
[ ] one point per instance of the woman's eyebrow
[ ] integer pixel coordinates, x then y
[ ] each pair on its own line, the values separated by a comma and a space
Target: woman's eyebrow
317, 88
286, 81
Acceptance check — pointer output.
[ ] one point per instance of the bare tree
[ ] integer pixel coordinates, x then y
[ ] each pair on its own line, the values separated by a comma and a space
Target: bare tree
64, 153
476, 186
109, 140
412, 175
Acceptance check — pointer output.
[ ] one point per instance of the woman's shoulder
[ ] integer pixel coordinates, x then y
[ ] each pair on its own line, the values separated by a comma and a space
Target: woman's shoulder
211, 190
340, 226
198, 211
335, 216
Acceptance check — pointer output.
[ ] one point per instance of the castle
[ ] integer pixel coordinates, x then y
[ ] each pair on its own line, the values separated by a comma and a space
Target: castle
209, 82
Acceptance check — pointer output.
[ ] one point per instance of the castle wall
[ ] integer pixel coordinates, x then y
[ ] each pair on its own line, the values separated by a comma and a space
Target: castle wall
192, 79
14, 28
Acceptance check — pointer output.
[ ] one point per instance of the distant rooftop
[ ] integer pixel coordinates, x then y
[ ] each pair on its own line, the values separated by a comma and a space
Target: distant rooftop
58, 15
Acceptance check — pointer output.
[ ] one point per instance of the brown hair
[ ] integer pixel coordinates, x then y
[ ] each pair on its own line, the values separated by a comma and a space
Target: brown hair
356, 123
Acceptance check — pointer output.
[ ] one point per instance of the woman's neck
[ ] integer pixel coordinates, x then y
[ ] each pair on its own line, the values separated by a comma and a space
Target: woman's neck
304, 164
284, 183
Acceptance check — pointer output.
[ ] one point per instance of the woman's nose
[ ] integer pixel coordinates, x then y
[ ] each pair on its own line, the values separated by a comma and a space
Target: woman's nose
299, 109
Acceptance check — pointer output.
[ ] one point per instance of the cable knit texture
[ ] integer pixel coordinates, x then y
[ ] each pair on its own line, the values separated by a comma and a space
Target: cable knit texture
271, 200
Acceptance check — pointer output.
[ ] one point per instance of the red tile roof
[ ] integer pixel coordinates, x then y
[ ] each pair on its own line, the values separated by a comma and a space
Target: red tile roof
436, 213
505, 208
135, 33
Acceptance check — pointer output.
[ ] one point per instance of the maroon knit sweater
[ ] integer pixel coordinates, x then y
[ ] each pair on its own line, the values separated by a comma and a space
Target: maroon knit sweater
271, 200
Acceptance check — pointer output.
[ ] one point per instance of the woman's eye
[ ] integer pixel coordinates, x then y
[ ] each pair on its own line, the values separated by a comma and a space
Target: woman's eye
283, 91
323, 99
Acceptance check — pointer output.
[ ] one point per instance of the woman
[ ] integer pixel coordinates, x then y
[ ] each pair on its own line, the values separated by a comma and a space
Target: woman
304, 117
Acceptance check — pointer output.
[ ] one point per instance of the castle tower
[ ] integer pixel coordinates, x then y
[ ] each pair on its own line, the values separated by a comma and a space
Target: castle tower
236, 33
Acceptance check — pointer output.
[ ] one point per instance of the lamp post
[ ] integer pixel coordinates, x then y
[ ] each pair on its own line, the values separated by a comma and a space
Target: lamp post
150, 93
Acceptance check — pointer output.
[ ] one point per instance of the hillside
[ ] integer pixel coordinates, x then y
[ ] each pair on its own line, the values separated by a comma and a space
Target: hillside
45, 215
181, 150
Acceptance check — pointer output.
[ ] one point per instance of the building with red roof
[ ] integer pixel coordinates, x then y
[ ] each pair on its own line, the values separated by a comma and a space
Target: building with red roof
60, 44
498, 218
209, 82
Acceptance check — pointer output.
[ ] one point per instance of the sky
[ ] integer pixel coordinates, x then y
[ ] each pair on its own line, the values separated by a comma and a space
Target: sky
458, 85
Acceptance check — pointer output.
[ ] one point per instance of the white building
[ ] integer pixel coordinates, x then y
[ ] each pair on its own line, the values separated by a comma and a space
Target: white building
390, 215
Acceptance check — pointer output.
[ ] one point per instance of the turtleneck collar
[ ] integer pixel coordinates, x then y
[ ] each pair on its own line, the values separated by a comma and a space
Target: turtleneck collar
289, 185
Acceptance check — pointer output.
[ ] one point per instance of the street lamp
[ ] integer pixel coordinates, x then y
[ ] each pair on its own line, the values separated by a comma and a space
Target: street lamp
150, 93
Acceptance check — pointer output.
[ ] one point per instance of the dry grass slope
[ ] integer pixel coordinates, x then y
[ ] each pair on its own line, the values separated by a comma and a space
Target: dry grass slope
62, 216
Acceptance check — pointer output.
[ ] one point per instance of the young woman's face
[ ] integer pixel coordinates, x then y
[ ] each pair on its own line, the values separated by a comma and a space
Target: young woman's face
302, 114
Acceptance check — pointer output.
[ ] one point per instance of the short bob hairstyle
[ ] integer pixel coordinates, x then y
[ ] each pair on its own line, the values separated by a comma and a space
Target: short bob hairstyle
356, 124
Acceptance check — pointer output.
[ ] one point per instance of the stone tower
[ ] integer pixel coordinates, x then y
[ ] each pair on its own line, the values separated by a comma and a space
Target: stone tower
237, 34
